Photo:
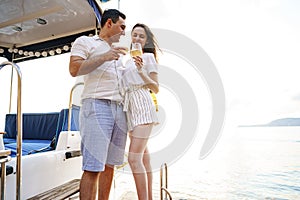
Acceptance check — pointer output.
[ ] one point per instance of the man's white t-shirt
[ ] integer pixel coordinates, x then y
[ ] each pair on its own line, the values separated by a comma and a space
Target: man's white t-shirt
103, 82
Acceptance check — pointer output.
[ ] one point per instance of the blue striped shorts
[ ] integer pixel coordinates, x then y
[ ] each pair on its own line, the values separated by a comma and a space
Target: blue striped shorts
103, 130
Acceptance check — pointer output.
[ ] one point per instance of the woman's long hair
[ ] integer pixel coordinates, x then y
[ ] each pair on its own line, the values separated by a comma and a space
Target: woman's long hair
151, 45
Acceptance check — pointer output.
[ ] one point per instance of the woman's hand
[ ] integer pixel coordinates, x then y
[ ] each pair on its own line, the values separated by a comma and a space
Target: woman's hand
150, 80
138, 62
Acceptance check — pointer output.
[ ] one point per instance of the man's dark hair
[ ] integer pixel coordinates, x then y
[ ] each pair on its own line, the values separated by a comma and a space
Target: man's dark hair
112, 14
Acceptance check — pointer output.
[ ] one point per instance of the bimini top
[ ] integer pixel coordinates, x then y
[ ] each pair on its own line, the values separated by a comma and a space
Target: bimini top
31, 29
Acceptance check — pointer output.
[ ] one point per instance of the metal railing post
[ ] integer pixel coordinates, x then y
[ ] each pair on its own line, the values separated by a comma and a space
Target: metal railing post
164, 183
70, 104
19, 127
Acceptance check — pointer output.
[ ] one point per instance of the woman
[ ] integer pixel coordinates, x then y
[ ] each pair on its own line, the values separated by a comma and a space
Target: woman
139, 77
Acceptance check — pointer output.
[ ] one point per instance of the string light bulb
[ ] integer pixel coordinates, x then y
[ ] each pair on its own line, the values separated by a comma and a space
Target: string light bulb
44, 53
58, 51
51, 52
66, 48
37, 54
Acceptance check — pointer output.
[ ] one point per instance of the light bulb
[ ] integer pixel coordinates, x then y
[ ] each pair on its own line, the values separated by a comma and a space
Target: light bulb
58, 51
66, 48
44, 53
51, 52
37, 54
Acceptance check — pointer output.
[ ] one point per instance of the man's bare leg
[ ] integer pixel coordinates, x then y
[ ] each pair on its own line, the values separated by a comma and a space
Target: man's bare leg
105, 181
88, 185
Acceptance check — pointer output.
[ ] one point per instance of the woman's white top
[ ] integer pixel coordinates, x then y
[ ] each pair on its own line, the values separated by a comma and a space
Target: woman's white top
138, 103
130, 76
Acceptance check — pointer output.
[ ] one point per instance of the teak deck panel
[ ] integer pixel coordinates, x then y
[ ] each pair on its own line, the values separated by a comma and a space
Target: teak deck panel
61, 192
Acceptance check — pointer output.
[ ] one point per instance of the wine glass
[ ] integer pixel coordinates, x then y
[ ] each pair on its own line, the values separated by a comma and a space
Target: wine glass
136, 49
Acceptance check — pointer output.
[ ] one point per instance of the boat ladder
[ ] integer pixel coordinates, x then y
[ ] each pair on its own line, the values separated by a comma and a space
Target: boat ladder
164, 192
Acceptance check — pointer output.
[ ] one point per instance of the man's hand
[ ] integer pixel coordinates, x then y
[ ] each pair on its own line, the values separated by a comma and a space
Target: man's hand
115, 52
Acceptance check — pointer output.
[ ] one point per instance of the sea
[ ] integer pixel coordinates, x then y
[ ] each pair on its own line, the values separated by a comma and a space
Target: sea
249, 163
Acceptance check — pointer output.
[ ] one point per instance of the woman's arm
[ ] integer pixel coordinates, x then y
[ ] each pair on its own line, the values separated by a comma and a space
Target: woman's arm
150, 80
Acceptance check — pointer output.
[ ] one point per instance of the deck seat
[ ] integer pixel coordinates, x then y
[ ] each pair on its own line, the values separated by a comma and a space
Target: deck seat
62, 125
9, 140
39, 130
29, 147
63, 121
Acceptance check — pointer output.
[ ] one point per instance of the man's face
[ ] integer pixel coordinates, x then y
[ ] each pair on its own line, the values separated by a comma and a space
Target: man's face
117, 29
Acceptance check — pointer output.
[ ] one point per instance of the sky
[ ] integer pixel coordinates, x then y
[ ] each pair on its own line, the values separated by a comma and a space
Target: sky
254, 45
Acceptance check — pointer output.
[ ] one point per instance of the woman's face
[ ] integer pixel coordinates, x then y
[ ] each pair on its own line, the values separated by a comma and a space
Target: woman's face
138, 35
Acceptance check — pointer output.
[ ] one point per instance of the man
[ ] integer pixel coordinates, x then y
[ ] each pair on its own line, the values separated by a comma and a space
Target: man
102, 120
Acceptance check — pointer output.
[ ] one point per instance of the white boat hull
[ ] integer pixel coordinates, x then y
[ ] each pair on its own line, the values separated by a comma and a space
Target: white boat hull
44, 171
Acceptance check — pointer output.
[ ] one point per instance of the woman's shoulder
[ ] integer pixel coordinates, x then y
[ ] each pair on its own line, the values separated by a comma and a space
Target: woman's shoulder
149, 57
147, 54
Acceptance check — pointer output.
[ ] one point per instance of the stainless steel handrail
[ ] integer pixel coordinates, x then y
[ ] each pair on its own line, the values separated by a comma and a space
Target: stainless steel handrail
164, 188
19, 126
70, 104
3, 160
11, 87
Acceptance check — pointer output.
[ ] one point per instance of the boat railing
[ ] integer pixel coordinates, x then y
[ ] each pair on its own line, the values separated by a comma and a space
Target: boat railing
4, 158
70, 104
19, 128
68, 136
164, 192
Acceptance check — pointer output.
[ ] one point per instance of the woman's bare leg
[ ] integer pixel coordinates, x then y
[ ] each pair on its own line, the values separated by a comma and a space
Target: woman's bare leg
136, 154
147, 164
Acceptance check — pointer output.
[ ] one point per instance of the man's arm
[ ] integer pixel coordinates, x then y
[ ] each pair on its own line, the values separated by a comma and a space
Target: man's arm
79, 66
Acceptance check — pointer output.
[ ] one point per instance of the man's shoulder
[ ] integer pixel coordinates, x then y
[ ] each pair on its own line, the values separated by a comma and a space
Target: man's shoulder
88, 38
85, 37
